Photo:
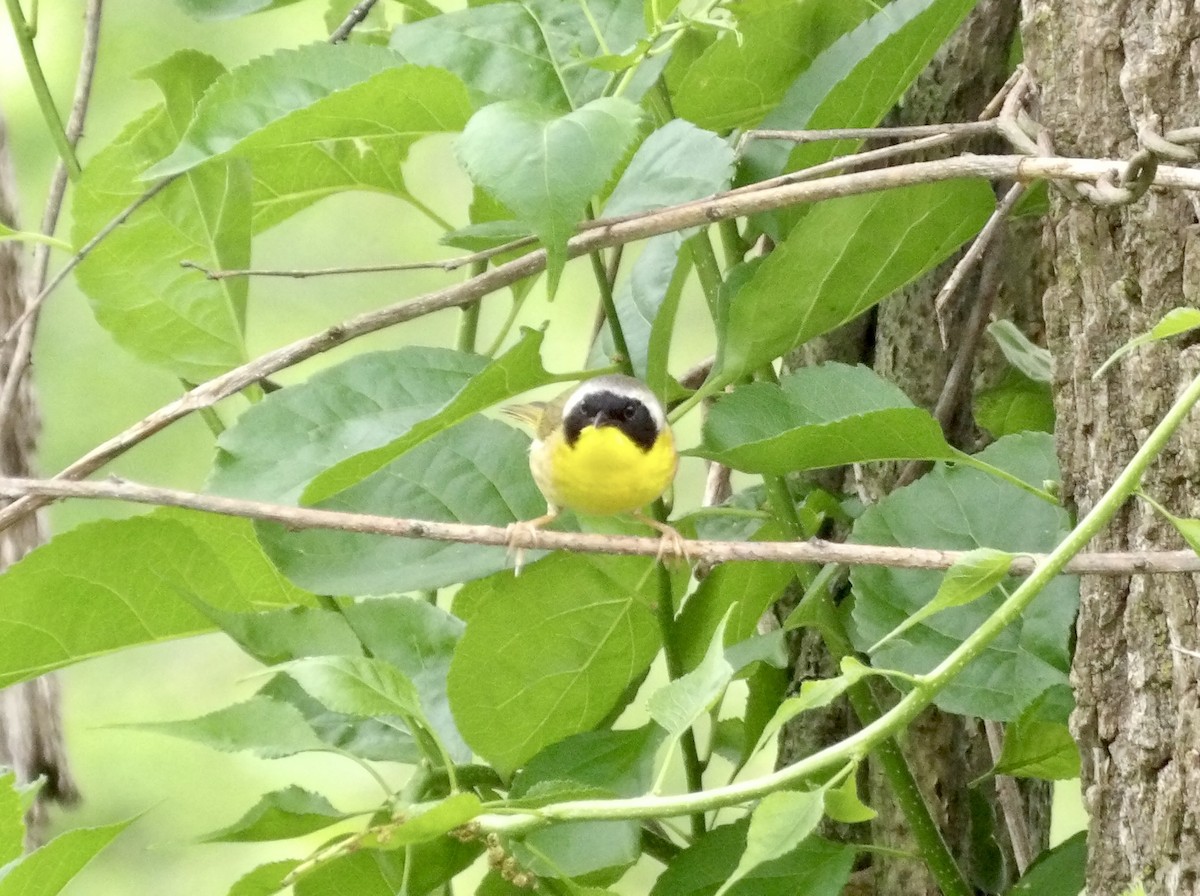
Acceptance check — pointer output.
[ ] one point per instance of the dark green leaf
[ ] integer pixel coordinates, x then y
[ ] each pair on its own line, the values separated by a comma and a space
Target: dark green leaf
621, 762
1039, 743
46, 871
540, 661
823, 416
281, 815
262, 726
1017, 404
1056, 872
280, 635
844, 256
546, 168
957, 508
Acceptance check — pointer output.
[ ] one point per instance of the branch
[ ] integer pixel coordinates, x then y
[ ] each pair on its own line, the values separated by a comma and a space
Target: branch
599, 234
812, 551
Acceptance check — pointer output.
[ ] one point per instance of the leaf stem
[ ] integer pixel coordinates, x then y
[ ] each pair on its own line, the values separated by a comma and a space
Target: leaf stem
468, 324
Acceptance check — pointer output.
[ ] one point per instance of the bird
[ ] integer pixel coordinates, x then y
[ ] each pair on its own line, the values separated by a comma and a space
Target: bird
603, 448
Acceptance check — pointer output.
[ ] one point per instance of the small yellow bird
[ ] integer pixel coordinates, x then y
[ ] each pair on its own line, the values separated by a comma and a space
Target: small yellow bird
603, 448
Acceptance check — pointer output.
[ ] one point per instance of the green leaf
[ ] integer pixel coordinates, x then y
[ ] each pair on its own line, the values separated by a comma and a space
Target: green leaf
48, 870
1030, 359
677, 163
540, 662
745, 73
679, 704
23, 236
215, 10
856, 80
843, 804
814, 868
516, 371
277, 636
113, 584
356, 685
971, 577
778, 824
958, 508
844, 256
421, 822
529, 51
281, 815
814, 694
1016, 404
546, 168
1060, 871
265, 880
374, 872
476, 472
1174, 322
1039, 743
12, 820
167, 316
823, 416
267, 728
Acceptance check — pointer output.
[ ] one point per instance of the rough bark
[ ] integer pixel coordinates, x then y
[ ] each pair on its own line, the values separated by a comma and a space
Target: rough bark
945, 752
31, 740
1104, 69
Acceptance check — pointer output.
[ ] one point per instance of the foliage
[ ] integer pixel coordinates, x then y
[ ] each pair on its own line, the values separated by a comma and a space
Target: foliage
512, 700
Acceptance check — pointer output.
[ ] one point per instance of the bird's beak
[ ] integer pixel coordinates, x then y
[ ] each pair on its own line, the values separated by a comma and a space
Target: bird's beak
601, 419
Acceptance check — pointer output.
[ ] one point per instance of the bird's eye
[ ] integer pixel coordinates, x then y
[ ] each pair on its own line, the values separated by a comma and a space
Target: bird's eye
629, 411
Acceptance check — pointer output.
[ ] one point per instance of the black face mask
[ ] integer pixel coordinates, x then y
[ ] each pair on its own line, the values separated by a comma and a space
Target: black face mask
628, 414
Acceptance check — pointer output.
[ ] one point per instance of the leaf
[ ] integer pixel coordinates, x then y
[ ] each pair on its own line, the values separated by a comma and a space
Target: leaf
357, 686
281, 815
679, 704
265, 880
1056, 872
517, 371
1016, 404
957, 508
476, 472
422, 822
855, 80
815, 868
215, 10
12, 820
1039, 743
843, 804
823, 416
540, 662
546, 168
173, 318
277, 636
267, 728
112, 584
529, 51
1174, 322
971, 577
814, 694
844, 256
1030, 359
745, 73
677, 163
23, 236
49, 869
374, 872
778, 824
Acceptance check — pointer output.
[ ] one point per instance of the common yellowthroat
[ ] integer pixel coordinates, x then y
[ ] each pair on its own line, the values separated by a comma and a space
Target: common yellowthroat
604, 448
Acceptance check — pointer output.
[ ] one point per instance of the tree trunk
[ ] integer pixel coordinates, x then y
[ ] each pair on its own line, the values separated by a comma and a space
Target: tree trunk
1104, 70
30, 728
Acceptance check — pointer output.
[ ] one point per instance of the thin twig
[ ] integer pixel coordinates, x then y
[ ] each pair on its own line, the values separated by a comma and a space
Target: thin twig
961, 128
1012, 805
600, 234
352, 19
811, 551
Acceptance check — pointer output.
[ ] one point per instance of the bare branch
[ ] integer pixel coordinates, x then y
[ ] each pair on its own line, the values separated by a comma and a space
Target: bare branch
356, 15
812, 551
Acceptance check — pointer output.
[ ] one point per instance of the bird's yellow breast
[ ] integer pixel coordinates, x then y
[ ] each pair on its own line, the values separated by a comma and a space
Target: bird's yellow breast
604, 471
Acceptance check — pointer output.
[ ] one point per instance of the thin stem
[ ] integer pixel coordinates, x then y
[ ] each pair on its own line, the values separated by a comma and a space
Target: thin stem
608, 302
468, 324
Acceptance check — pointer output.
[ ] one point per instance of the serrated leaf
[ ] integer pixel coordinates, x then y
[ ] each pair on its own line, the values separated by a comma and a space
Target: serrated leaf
267, 728
856, 80
1060, 871
277, 636
971, 577
540, 662
1174, 322
47, 870
112, 584
476, 472
281, 815
621, 762
957, 508
823, 416
165, 315
814, 694
677, 163
265, 880
1016, 404
842, 803
844, 256
778, 824
679, 704
1039, 743
1030, 359
421, 822
516, 371
12, 820
357, 686
546, 168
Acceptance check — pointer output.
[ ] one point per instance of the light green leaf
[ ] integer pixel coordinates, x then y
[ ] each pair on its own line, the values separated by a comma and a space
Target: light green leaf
1039, 743
957, 508
425, 821
844, 256
843, 804
25, 236
823, 416
778, 824
215, 10
356, 685
546, 168
971, 577
1016, 404
476, 472
1061, 871
540, 662
113, 584
814, 694
276, 636
677, 163
265, 880
1174, 322
48, 870
167, 316
516, 371
1030, 359
679, 704
280, 815
267, 728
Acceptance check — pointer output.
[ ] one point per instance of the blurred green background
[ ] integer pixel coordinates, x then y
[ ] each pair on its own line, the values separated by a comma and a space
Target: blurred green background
89, 390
